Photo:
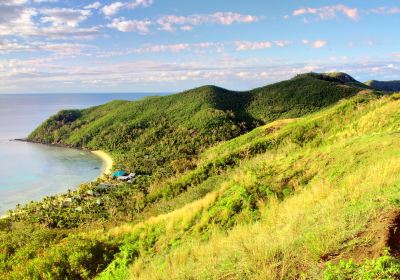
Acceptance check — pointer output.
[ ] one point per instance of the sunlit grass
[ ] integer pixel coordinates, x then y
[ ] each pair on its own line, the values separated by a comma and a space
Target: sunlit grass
267, 205
292, 235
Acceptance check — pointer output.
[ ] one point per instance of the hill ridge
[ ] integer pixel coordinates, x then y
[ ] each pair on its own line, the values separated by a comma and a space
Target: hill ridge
389, 86
202, 116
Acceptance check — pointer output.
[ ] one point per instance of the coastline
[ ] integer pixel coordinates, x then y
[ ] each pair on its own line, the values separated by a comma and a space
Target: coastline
107, 159
51, 144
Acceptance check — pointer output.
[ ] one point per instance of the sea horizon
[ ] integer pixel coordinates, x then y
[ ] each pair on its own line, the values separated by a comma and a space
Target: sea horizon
82, 93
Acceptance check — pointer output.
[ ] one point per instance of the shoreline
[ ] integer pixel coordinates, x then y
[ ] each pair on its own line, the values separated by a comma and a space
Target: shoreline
107, 159
51, 144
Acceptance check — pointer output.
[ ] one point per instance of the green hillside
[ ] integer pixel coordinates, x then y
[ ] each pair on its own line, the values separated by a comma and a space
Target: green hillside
162, 135
306, 186
390, 86
306, 194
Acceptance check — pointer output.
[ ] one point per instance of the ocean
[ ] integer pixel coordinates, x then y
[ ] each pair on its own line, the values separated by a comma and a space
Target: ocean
29, 172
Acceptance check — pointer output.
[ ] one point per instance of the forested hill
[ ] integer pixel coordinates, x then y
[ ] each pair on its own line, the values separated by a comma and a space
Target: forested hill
390, 86
162, 135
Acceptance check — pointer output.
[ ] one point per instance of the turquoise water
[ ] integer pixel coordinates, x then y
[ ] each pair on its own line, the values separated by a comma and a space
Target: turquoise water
31, 171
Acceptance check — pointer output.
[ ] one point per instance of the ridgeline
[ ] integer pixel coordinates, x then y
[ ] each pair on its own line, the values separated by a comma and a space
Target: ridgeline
163, 135
389, 86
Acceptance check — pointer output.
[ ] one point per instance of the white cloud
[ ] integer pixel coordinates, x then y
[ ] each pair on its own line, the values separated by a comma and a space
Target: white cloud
282, 43
230, 18
162, 48
123, 25
317, 44
114, 8
187, 28
246, 45
7, 46
139, 3
53, 75
176, 48
14, 2
66, 32
329, 12
170, 22
95, 6
12, 11
59, 49
110, 10
45, 1
64, 16
300, 12
18, 19
385, 10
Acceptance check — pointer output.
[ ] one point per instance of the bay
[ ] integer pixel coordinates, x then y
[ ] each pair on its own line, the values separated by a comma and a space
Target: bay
31, 171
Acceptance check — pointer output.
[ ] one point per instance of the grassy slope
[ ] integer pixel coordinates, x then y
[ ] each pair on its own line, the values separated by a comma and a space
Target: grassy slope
265, 189
327, 210
323, 194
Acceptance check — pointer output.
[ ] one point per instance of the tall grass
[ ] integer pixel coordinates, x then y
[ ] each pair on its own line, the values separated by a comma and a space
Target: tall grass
337, 181
291, 236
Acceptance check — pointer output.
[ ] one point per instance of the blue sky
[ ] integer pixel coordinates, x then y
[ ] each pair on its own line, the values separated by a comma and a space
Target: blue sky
171, 45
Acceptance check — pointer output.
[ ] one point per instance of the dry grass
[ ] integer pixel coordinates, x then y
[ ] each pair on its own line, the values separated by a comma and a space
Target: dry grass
341, 183
292, 235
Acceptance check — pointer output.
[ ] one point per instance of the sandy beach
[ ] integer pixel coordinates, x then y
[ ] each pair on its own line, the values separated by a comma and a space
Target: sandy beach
107, 160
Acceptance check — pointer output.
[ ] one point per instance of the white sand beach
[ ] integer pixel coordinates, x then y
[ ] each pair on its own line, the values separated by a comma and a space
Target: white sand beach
107, 160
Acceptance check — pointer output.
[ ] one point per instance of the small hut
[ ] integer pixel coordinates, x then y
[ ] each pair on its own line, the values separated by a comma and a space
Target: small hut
119, 173
127, 177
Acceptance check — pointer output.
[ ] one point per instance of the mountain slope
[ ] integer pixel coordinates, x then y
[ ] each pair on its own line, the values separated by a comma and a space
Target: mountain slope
163, 135
390, 86
305, 192
310, 191
286, 200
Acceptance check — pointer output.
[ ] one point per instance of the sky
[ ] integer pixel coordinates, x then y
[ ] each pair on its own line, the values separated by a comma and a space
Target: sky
69, 46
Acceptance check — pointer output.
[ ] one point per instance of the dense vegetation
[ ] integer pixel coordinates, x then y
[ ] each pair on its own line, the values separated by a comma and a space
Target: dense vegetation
161, 136
390, 86
310, 197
